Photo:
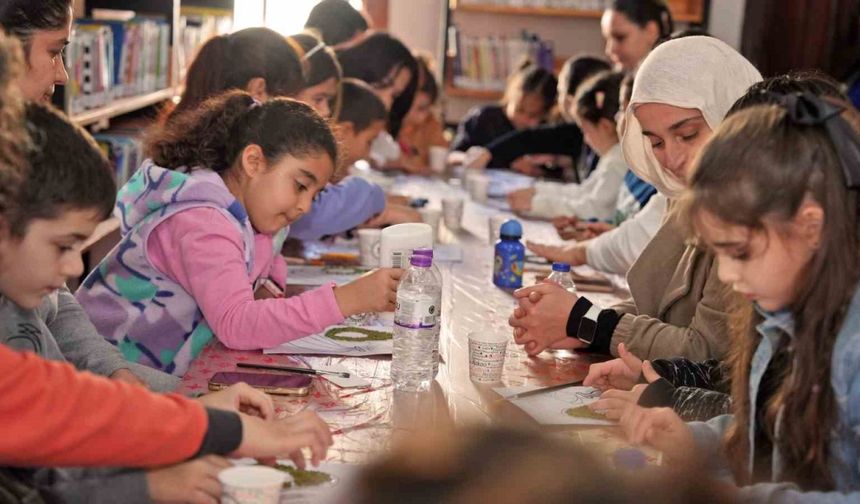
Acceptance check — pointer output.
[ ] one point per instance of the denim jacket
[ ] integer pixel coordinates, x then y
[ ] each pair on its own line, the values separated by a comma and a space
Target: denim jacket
845, 444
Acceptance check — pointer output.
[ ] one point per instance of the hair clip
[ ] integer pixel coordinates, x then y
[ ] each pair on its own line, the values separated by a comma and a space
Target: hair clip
317, 48
254, 103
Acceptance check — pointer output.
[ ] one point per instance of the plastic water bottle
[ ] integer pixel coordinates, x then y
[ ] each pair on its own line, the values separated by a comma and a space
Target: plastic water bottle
510, 256
562, 276
416, 315
437, 274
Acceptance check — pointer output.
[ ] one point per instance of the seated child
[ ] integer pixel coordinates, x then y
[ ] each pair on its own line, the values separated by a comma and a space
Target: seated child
353, 200
528, 99
421, 128
604, 195
198, 224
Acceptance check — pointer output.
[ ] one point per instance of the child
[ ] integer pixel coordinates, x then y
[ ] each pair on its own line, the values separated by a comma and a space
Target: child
353, 201
562, 139
198, 221
775, 195
322, 72
632, 28
529, 96
257, 60
336, 22
678, 306
603, 196
421, 128
67, 191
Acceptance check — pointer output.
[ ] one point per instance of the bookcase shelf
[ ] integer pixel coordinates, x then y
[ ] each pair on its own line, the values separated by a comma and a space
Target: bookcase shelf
475, 94
683, 11
122, 106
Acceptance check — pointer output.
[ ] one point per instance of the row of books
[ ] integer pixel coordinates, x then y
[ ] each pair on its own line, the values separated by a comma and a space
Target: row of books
197, 25
124, 149
485, 63
554, 4
112, 59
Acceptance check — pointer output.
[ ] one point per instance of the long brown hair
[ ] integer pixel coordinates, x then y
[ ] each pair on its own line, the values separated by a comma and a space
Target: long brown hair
758, 168
14, 139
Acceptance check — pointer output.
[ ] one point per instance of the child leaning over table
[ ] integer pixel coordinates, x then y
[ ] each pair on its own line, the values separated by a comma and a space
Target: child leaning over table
67, 191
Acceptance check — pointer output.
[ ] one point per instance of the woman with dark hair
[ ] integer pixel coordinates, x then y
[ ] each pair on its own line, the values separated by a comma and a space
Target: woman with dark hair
632, 28
322, 75
257, 60
336, 22
44, 28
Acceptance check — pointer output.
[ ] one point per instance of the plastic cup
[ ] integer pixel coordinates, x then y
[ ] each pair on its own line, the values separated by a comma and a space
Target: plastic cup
478, 185
452, 212
368, 246
438, 159
431, 216
494, 225
487, 348
252, 485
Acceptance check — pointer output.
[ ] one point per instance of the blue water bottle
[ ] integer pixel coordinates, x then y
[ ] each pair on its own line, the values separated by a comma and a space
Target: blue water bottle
510, 255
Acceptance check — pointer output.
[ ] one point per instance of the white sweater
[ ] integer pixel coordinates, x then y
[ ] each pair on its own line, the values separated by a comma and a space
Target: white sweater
594, 198
616, 250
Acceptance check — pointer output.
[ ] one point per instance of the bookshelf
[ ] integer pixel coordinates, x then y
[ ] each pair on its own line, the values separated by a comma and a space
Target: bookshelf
486, 18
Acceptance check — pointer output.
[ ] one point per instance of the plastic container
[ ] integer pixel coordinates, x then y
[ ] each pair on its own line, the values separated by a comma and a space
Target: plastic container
561, 275
438, 275
416, 317
510, 255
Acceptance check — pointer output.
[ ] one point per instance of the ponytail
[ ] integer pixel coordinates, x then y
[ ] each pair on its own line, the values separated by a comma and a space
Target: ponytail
214, 134
643, 12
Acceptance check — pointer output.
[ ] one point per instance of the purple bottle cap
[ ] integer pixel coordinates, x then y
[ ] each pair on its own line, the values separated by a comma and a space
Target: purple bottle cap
421, 261
423, 251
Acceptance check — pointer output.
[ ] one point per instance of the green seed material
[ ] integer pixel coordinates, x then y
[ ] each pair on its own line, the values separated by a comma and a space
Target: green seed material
304, 478
369, 334
584, 412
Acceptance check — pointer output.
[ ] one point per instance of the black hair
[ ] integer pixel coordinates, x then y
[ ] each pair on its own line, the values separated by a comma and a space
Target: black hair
319, 61
67, 171
599, 97
767, 92
229, 61
426, 81
642, 12
533, 79
372, 61
336, 21
579, 68
21, 18
214, 134
361, 106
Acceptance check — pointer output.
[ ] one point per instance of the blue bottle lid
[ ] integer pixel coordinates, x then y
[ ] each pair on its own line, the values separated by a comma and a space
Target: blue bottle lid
511, 229
560, 266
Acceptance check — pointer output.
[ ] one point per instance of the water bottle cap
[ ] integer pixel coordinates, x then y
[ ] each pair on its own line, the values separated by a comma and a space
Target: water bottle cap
511, 229
423, 251
560, 266
629, 458
421, 261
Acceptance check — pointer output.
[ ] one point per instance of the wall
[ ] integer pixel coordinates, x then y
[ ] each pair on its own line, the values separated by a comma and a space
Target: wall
726, 21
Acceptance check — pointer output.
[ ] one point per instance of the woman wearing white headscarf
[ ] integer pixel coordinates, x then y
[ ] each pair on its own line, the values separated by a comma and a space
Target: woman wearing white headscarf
678, 306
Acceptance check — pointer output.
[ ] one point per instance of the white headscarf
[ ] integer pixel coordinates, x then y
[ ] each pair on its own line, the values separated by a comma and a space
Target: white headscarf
701, 73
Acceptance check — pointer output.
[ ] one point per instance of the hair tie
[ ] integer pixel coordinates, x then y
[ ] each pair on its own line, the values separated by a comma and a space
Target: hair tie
313, 51
807, 109
599, 98
254, 103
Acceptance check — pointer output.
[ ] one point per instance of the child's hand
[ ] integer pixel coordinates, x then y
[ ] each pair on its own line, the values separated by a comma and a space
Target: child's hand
195, 481
374, 292
540, 320
530, 165
563, 222
661, 428
285, 438
571, 253
241, 398
521, 200
127, 376
476, 158
393, 214
621, 373
613, 403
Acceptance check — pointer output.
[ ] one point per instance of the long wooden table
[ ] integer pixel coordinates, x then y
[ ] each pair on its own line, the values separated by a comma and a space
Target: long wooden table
365, 421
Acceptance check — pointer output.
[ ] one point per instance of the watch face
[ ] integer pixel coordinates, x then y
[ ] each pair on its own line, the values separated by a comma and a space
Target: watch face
587, 328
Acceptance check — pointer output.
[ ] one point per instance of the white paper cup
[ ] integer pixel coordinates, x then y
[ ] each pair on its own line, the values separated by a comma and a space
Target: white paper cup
494, 225
431, 216
368, 245
452, 212
487, 348
252, 485
478, 185
438, 159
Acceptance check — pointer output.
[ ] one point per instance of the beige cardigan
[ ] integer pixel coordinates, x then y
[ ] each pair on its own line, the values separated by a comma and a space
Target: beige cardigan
678, 306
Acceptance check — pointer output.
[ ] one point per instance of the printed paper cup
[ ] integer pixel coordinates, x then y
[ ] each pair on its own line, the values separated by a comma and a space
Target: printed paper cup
487, 355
